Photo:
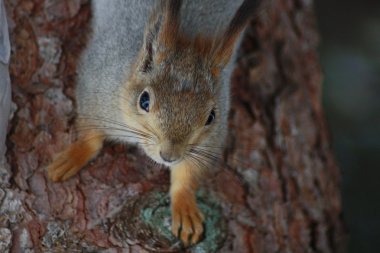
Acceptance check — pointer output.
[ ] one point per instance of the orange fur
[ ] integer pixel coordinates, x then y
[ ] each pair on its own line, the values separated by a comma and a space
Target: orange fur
168, 36
187, 219
224, 52
77, 155
225, 48
203, 45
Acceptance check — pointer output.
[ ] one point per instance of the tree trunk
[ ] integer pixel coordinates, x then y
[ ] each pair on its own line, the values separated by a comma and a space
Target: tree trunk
276, 190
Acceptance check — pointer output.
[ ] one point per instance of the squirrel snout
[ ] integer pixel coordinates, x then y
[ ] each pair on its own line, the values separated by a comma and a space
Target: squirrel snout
167, 157
170, 152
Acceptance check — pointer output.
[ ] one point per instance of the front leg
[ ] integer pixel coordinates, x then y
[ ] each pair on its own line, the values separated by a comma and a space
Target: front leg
76, 156
187, 219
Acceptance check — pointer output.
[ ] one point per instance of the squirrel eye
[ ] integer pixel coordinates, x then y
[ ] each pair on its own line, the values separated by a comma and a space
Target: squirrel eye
211, 117
144, 101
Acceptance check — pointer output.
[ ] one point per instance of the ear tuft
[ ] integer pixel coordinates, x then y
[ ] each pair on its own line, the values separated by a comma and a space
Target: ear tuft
161, 32
150, 38
226, 43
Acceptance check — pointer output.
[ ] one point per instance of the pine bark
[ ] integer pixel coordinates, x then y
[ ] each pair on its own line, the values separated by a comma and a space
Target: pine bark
276, 190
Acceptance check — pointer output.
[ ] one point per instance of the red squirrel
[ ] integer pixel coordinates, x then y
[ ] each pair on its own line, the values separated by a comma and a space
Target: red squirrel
157, 74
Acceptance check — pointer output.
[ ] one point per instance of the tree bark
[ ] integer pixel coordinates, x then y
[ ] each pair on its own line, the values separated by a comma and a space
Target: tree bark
276, 190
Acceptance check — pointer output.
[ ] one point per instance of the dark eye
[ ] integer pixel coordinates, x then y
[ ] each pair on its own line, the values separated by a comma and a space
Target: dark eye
144, 101
211, 117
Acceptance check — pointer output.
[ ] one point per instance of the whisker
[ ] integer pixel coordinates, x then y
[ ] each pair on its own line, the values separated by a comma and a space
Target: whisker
197, 163
87, 139
129, 128
214, 157
218, 156
204, 164
90, 127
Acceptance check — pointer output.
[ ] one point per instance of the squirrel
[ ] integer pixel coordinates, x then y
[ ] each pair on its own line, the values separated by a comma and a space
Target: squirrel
157, 74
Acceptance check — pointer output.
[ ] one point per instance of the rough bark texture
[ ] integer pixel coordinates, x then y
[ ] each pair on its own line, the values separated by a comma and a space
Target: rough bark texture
277, 189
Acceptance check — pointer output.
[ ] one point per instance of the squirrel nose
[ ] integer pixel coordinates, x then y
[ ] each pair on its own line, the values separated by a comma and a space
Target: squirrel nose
167, 157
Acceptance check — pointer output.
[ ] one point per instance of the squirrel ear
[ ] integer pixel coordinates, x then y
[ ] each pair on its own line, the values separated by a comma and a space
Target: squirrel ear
225, 44
161, 32
171, 22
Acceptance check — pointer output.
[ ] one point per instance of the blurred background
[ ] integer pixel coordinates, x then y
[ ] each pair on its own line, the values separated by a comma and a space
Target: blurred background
350, 58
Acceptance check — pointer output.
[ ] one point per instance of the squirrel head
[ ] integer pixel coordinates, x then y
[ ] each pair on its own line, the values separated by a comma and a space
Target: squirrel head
175, 83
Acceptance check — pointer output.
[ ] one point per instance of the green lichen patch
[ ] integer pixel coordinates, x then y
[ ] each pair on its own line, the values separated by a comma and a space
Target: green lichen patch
146, 220
215, 225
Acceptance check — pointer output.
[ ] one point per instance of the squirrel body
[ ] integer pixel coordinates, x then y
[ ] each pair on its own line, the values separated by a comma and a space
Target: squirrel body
157, 74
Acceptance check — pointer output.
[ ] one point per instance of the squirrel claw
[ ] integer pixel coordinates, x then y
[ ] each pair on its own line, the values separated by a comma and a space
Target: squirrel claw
187, 221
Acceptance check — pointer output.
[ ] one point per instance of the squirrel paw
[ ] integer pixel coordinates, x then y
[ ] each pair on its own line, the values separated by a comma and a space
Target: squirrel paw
77, 155
187, 219
63, 167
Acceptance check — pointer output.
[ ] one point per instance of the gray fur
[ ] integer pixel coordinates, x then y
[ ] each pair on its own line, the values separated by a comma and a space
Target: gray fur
117, 37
